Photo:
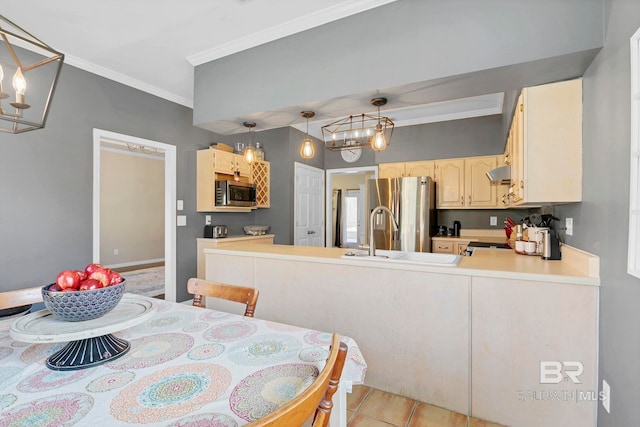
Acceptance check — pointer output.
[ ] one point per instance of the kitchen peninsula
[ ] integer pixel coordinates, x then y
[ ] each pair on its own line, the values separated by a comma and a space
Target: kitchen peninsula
468, 338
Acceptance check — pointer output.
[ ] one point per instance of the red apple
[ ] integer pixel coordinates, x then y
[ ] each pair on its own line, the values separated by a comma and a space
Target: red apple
68, 279
69, 290
115, 278
102, 274
82, 274
89, 284
91, 268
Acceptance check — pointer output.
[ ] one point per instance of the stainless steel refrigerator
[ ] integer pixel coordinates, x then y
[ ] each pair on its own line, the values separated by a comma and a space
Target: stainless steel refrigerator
412, 201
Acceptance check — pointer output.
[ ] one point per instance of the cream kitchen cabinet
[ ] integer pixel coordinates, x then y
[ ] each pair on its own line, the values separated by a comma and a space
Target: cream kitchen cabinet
546, 146
397, 170
213, 165
478, 190
448, 245
450, 183
462, 183
261, 177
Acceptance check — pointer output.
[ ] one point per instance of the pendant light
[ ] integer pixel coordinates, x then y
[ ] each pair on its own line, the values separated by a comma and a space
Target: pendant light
359, 131
306, 149
249, 151
379, 141
36, 63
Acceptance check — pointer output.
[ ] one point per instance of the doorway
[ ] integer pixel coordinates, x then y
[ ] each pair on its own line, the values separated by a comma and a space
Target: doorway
113, 141
346, 224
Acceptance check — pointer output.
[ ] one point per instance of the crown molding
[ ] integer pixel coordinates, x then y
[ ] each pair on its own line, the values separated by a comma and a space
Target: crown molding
297, 25
126, 80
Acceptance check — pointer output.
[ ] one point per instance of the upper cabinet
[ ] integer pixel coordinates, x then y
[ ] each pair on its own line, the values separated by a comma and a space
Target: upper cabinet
545, 145
397, 170
450, 183
463, 183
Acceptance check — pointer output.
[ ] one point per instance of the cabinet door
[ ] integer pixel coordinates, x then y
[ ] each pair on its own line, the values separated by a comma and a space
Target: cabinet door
391, 170
224, 162
479, 191
517, 153
423, 168
450, 183
242, 165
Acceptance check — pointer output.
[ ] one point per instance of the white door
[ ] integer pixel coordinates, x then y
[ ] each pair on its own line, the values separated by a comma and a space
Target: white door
309, 206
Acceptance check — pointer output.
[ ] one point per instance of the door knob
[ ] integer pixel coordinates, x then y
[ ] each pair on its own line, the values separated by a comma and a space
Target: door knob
311, 232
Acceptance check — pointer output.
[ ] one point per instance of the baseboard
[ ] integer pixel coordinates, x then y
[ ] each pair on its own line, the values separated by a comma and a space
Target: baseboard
137, 263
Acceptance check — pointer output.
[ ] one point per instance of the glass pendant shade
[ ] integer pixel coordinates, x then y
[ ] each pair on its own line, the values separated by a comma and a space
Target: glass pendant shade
307, 151
379, 142
249, 152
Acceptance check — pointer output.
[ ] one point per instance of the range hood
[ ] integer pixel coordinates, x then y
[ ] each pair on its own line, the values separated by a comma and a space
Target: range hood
501, 175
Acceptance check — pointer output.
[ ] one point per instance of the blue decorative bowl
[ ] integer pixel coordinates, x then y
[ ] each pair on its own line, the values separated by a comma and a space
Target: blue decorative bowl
82, 305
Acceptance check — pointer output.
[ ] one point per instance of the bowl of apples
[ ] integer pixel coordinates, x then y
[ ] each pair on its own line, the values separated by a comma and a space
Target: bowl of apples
79, 295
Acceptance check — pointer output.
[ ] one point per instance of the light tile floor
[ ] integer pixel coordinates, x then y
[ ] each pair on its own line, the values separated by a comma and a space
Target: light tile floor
368, 407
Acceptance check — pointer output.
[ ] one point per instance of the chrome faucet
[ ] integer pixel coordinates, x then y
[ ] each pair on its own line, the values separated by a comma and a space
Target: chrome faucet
374, 212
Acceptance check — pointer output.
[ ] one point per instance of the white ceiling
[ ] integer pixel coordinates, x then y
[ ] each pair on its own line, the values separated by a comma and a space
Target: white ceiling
153, 45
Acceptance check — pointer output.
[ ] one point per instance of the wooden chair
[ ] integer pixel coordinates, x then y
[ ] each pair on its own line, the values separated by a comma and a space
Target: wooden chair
20, 297
241, 294
317, 397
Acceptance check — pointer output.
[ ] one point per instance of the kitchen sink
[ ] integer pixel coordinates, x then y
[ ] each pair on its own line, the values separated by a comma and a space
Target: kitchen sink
417, 258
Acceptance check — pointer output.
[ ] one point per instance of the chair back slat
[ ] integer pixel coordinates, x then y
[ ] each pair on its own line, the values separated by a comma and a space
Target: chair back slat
241, 294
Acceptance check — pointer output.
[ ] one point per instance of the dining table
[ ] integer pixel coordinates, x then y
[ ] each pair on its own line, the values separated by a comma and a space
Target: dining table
185, 366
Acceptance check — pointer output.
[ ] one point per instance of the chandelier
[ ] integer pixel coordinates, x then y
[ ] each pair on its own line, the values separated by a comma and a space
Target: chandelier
30, 64
359, 131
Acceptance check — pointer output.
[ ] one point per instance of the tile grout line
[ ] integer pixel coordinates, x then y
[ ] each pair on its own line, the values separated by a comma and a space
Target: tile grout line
366, 396
413, 410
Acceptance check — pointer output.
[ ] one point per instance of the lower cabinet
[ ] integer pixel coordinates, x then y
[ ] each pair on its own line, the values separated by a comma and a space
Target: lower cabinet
447, 245
534, 352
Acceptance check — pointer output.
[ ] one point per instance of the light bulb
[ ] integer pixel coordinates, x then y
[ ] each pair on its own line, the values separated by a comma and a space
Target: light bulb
20, 86
307, 151
249, 154
1, 74
19, 83
379, 142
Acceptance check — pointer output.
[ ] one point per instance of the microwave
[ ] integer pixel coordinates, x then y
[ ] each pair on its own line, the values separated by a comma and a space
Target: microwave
231, 193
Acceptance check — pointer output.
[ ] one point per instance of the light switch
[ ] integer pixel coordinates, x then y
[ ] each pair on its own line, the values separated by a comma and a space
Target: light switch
207, 220
182, 220
493, 220
180, 205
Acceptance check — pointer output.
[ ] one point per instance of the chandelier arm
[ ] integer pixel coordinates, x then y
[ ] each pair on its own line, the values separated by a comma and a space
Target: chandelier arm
11, 51
4, 18
41, 63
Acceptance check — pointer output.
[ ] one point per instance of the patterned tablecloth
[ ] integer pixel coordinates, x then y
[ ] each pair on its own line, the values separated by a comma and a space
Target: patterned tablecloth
187, 366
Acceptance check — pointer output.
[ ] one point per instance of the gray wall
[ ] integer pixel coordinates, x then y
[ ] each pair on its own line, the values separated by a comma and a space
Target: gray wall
417, 41
46, 177
601, 220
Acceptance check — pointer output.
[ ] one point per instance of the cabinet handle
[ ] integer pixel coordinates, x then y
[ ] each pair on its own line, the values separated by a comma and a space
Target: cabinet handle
521, 184
469, 199
462, 200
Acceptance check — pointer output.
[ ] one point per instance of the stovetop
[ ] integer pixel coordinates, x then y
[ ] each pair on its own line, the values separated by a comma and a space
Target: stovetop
497, 245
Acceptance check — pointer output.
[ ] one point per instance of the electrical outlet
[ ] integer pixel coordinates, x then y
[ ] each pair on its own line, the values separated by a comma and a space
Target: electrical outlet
569, 226
493, 220
207, 220
606, 396
116, 251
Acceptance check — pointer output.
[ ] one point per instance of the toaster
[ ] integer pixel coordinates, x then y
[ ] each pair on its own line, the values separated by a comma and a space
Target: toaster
215, 231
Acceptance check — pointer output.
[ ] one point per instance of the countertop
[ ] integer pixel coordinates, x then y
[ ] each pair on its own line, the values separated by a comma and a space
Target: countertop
236, 237
576, 267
